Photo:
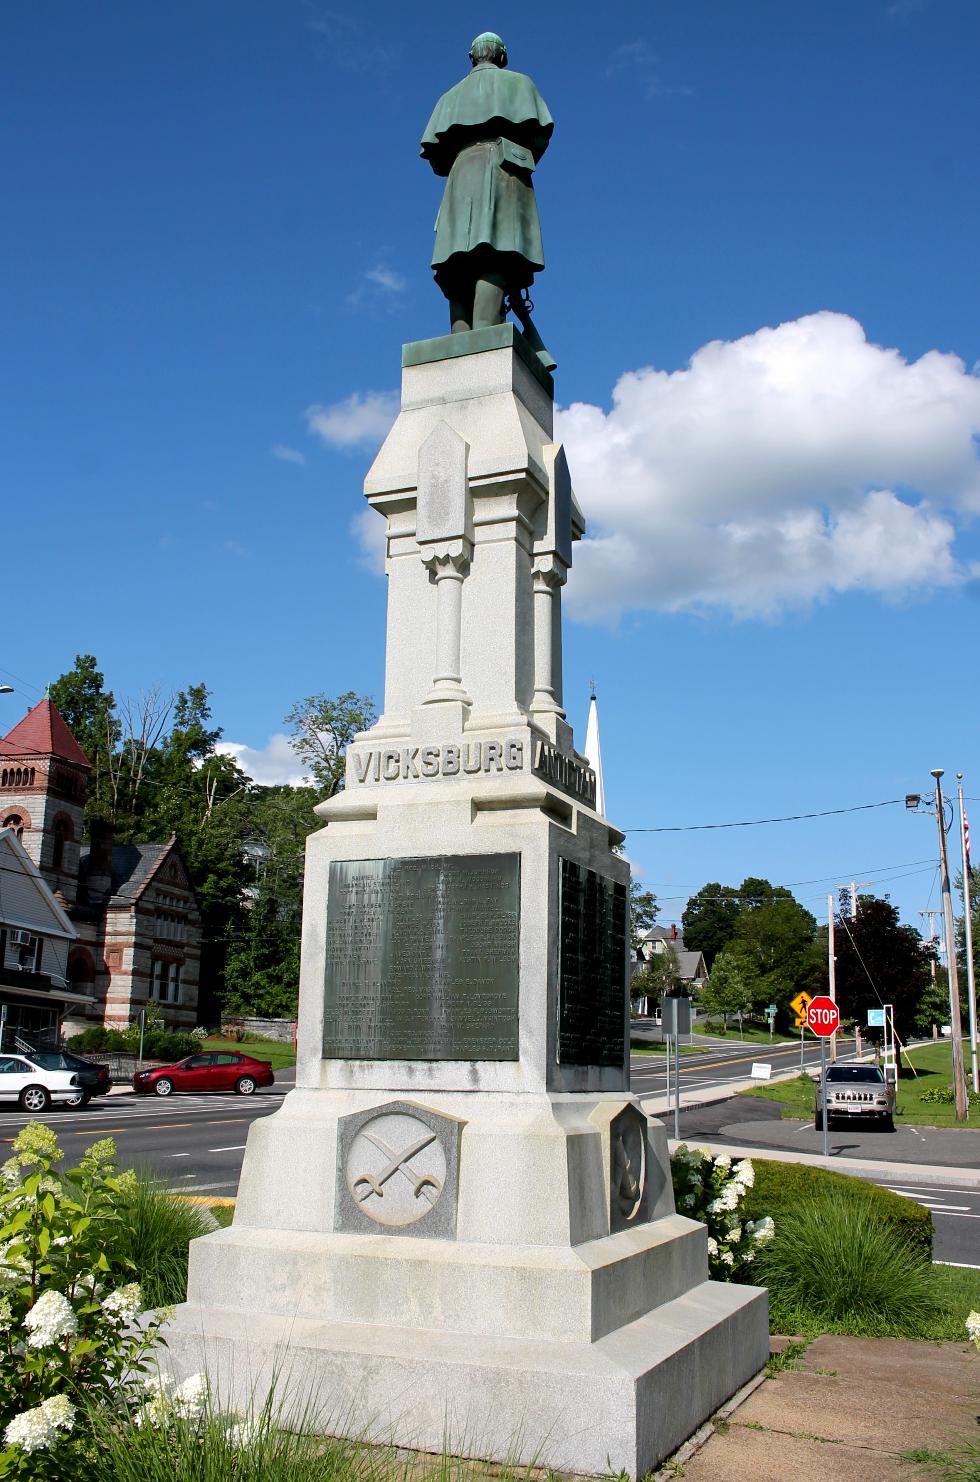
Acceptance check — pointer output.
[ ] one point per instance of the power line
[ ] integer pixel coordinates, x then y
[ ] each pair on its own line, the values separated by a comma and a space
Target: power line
688, 828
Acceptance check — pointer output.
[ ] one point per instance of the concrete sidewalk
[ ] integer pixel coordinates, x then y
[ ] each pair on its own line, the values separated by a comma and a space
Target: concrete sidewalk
847, 1410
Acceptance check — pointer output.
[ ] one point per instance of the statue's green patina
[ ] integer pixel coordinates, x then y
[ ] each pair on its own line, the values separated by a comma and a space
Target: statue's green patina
487, 134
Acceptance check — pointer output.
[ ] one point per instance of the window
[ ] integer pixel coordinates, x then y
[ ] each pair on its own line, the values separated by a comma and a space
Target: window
16, 822
63, 833
165, 981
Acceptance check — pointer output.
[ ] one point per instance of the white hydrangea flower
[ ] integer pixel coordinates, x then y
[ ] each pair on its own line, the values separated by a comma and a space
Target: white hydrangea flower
763, 1230
727, 1258
52, 1317
191, 1396
60, 1412
745, 1173
735, 1234
973, 1327
125, 1304
688, 1201
37, 1429
6, 1315
712, 1246
723, 1161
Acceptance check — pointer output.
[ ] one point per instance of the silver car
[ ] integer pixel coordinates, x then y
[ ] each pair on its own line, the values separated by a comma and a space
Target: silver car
859, 1091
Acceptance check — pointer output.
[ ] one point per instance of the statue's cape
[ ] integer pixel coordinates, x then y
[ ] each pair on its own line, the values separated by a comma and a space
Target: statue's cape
487, 96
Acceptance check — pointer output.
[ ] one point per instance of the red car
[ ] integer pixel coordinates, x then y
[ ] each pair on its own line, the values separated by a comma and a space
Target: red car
218, 1070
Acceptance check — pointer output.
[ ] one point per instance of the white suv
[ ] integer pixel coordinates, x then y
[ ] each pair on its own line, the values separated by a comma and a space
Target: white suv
34, 1088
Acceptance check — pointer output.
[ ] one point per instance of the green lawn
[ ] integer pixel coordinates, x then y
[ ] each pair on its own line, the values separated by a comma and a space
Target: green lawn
648, 1047
752, 1033
279, 1055
933, 1068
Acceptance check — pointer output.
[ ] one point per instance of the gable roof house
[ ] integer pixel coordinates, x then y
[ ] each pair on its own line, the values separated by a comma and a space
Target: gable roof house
36, 937
131, 907
691, 965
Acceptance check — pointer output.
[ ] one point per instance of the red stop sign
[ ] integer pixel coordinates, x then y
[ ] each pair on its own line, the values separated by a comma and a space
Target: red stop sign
822, 1016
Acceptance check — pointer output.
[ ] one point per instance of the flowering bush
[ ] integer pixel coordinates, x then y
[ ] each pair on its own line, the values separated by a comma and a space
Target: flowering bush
712, 1190
973, 1329
67, 1304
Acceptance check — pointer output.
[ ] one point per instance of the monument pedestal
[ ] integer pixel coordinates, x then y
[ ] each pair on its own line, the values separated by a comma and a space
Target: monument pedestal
459, 1229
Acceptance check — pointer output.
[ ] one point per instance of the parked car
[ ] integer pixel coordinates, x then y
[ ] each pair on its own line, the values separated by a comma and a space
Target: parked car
34, 1086
93, 1080
220, 1070
856, 1091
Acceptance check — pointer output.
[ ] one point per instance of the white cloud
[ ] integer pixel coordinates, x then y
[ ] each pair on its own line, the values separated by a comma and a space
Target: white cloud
774, 471
362, 419
369, 530
288, 455
386, 278
275, 763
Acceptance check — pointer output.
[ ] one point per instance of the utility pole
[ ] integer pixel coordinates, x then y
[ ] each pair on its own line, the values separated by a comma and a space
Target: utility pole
831, 976
971, 985
932, 935
854, 887
955, 1027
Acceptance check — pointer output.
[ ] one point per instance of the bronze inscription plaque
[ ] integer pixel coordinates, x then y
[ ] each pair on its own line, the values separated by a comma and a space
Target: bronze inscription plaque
422, 958
591, 968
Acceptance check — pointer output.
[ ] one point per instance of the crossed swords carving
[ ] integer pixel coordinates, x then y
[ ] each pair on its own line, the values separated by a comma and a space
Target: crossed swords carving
397, 1163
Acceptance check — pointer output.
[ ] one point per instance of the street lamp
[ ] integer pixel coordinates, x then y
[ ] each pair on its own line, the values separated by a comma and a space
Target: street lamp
916, 803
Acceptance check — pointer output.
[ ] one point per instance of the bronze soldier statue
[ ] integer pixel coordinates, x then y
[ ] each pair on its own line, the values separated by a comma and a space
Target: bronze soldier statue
487, 135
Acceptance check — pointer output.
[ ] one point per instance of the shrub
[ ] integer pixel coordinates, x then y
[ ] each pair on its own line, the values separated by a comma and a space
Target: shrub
945, 1096
67, 1304
836, 1263
782, 1189
159, 1227
712, 1190
158, 1044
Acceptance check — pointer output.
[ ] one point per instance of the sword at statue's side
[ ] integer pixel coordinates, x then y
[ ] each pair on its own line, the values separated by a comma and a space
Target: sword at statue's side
520, 306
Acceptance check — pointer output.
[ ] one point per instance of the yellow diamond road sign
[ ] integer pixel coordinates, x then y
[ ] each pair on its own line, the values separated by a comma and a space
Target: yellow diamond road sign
799, 1004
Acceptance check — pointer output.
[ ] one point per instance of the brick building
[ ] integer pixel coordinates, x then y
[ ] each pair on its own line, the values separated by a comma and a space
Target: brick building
137, 922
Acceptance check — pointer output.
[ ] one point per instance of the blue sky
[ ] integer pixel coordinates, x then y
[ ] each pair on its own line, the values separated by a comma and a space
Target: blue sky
760, 224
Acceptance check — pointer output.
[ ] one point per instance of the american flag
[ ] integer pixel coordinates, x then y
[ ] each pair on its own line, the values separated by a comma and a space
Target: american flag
966, 840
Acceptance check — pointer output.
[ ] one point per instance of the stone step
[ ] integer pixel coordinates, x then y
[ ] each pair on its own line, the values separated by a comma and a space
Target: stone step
576, 1293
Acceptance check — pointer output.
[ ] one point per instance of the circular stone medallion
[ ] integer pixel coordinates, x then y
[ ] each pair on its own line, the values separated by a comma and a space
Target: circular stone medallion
396, 1168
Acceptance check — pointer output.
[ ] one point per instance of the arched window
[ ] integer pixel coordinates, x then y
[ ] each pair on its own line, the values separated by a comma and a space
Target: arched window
63, 834
14, 821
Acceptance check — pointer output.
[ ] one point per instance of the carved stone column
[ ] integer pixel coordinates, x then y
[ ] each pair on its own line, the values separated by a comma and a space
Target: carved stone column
548, 577
444, 532
448, 562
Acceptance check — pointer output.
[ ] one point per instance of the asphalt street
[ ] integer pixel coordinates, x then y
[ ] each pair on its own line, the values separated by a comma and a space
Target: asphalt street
196, 1143
745, 1121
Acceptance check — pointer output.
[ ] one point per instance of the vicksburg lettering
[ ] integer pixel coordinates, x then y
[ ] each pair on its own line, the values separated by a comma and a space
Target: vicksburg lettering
404, 763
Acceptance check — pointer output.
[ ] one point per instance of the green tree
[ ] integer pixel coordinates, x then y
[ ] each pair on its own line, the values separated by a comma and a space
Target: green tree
262, 971
880, 960
709, 919
89, 710
659, 978
732, 985
644, 911
322, 727
778, 939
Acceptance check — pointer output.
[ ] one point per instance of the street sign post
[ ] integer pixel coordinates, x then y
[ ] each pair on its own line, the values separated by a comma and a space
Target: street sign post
823, 1019
799, 1007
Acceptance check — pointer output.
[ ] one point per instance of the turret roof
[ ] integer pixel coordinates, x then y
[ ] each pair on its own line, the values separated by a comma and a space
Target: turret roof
43, 732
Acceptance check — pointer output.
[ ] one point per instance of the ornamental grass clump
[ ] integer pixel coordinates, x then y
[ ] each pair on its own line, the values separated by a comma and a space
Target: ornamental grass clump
713, 1191
68, 1304
837, 1264
159, 1227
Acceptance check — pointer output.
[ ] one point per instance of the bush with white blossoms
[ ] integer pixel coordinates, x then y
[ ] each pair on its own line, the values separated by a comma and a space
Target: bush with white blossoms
973, 1329
68, 1306
712, 1190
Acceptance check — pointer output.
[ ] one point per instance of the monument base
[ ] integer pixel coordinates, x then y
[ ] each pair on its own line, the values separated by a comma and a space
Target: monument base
619, 1404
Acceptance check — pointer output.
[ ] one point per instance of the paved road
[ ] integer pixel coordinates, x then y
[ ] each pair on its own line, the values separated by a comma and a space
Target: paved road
719, 1064
195, 1143
746, 1121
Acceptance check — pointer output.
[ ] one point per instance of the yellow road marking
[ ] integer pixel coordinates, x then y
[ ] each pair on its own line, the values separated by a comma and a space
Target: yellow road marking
203, 1199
